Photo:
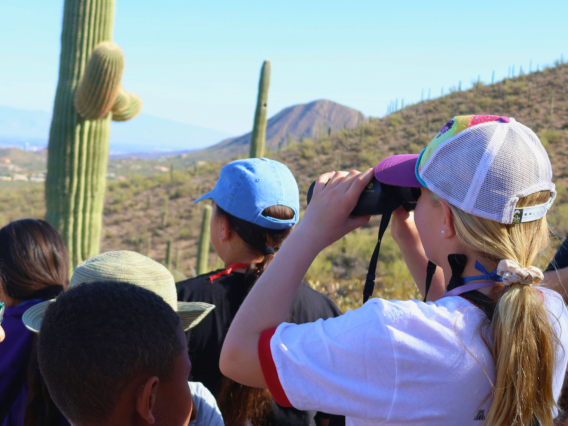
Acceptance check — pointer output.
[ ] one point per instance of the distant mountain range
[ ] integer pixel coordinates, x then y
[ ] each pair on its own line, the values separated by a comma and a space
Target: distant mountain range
145, 134
289, 125
150, 137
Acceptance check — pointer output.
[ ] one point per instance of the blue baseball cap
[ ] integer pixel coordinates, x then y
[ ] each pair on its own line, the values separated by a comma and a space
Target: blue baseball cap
246, 187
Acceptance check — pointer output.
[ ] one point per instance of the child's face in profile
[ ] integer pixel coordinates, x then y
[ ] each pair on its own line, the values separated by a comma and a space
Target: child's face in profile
173, 400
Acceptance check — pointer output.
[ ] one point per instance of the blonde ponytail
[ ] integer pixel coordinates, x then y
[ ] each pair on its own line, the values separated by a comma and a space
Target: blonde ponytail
524, 342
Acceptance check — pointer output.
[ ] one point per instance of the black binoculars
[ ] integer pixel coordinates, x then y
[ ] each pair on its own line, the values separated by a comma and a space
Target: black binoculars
378, 197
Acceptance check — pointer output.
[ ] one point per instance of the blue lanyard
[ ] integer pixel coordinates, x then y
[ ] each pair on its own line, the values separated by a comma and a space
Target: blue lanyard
490, 278
487, 276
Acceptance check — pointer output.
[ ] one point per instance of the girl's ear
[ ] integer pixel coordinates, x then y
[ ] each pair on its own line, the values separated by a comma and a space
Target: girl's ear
448, 230
146, 399
226, 230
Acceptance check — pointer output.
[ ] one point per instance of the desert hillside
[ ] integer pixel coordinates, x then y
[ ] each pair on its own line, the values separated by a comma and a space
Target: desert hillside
144, 211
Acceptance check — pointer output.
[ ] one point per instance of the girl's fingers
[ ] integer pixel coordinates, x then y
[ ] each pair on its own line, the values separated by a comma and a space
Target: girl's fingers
358, 182
321, 182
337, 178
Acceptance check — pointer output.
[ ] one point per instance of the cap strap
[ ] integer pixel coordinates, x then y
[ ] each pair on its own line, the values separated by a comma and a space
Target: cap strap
530, 214
267, 251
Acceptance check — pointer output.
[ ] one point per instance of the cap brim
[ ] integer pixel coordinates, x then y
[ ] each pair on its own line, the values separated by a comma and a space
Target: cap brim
190, 314
398, 170
33, 317
207, 196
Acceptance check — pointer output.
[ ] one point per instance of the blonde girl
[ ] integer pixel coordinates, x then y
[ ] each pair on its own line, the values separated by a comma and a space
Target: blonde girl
490, 351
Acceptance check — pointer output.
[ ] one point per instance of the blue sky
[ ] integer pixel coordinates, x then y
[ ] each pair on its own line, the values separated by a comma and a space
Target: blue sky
199, 62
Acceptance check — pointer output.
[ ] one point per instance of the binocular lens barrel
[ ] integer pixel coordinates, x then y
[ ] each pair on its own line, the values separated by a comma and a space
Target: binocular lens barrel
373, 200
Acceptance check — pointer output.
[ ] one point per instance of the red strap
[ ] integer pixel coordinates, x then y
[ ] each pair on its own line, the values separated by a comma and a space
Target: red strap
227, 271
269, 369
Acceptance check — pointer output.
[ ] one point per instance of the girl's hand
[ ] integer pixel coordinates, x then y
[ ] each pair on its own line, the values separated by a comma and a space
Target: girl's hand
327, 217
403, 228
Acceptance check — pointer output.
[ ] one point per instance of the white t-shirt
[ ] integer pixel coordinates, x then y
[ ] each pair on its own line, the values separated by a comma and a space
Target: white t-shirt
208, 413
395, 362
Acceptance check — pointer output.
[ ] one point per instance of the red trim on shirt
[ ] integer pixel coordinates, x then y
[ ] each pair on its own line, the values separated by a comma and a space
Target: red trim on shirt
269, 369
228, 270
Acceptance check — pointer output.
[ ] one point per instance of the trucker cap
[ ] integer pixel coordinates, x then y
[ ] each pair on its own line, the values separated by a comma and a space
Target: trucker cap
246, 187
482, 164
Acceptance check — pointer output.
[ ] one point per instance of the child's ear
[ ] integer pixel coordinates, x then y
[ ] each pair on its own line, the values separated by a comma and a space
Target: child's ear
448, 230
146, 399
225, 233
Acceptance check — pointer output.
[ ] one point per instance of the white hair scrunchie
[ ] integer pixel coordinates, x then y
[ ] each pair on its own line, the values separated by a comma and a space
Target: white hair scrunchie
512, 273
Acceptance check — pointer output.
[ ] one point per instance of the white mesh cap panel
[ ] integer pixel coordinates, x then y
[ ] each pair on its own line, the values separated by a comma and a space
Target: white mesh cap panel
485, 169
451, 170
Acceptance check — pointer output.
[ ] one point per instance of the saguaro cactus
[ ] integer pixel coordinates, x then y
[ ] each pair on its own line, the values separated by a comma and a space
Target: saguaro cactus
258, 137
204, 240
169, 254
89, 92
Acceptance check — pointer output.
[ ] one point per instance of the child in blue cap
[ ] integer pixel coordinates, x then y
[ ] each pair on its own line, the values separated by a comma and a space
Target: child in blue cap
256, 205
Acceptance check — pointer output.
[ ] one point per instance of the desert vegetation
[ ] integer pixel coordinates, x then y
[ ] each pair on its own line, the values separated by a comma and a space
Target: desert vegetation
146, 207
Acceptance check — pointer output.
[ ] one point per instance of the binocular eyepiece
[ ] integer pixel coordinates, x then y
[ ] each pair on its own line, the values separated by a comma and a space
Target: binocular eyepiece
377, 197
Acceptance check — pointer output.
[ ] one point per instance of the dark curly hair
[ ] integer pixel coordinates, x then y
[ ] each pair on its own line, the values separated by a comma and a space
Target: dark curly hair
95, 338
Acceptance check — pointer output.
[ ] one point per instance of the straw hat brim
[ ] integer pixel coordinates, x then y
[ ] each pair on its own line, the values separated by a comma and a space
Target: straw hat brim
190, 314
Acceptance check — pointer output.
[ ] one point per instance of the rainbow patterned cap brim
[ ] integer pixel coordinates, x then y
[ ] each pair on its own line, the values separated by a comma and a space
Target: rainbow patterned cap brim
451, 129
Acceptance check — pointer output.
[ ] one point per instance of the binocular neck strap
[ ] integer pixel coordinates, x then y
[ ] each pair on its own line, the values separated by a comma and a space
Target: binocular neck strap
457, 265
430, 271
370, 281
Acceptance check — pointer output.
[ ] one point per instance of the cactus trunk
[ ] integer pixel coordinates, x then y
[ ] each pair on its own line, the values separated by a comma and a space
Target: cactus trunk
204, 240
258, 137
78, 148
90, 73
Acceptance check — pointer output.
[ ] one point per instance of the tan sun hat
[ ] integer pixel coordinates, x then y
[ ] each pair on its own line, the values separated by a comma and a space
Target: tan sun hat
128, 267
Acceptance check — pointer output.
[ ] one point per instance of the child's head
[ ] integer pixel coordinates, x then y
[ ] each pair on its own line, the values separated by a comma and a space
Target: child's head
33, 261
486, 187
256, 206
115, 352
480, 174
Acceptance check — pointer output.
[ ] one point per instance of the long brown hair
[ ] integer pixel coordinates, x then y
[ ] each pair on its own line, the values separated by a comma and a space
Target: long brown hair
524, 342
33, 257
34, 265
239, 403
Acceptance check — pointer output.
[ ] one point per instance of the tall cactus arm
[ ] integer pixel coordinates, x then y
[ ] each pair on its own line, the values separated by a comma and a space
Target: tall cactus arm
259, 128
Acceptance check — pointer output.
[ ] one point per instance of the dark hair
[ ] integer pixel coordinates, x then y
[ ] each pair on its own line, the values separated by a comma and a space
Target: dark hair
95, 338
239, 403
33, 257
33, 265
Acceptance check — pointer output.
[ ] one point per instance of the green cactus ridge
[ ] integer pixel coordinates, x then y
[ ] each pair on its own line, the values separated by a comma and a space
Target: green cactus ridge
258, 137
204, 241
100, 84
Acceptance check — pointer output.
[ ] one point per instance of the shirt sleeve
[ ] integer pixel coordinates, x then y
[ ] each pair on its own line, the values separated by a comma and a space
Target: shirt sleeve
208, 413
342, 365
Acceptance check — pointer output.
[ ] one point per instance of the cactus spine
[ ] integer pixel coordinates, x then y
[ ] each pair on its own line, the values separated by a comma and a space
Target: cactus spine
204, 240
258, 137
90, 74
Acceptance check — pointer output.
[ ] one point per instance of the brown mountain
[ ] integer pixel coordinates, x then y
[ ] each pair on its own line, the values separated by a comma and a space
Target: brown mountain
290, 125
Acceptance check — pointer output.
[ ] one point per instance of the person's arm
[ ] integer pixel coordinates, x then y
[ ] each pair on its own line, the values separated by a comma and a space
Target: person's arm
326, 219
405, 234
557, 280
